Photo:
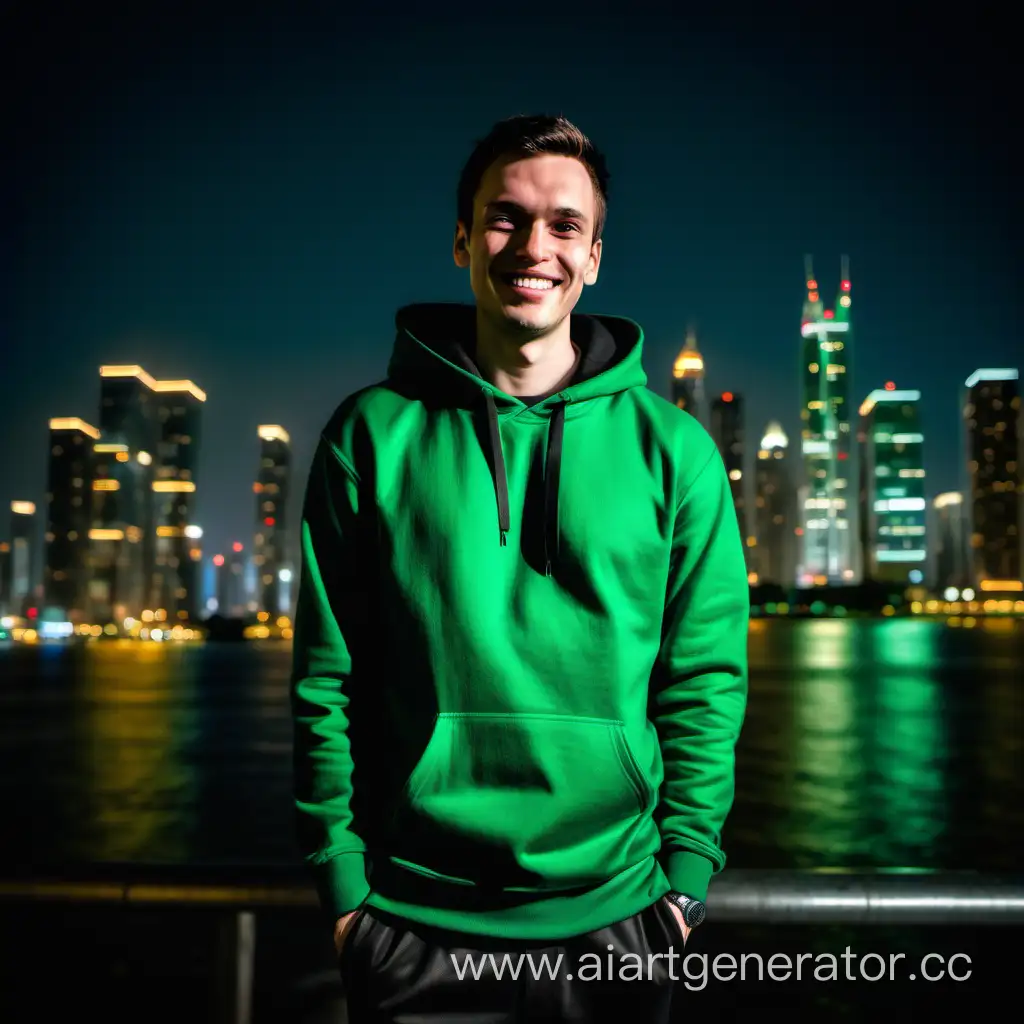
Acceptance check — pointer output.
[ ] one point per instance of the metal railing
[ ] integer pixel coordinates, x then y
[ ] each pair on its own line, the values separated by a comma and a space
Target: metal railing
737, 896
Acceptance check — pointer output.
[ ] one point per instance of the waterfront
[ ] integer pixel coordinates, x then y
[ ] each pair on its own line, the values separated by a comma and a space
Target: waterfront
870, 743
867, 743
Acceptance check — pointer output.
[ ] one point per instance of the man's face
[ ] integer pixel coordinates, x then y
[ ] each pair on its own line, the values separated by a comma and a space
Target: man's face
533, 221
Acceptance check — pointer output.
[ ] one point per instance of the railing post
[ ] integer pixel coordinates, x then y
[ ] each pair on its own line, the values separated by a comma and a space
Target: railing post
236, 954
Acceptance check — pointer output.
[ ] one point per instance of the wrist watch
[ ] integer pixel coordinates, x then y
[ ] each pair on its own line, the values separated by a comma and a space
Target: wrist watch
693, 910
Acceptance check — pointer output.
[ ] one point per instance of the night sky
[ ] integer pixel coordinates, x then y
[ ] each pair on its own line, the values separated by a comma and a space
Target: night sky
245, 201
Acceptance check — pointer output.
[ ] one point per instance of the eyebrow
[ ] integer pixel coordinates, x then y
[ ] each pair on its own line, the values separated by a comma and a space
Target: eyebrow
562, 211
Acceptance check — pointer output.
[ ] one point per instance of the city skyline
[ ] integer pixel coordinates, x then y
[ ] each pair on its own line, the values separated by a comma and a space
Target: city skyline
136, 543
256, 231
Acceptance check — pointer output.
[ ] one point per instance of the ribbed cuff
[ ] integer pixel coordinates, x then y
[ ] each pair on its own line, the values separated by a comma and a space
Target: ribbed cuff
689, 873
341, 883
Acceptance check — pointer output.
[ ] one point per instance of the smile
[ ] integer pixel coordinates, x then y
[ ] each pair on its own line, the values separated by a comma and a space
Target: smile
529, 283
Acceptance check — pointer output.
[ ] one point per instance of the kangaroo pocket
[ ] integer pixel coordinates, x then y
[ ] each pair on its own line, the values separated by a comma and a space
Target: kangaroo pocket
530, 802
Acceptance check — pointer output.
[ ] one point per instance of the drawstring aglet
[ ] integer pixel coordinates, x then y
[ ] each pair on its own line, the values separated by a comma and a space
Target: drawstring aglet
502, 534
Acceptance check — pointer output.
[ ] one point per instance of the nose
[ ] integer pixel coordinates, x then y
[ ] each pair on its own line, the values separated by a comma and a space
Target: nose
532, 244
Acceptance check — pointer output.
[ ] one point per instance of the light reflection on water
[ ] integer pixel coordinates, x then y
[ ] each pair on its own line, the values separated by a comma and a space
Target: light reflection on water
888, 743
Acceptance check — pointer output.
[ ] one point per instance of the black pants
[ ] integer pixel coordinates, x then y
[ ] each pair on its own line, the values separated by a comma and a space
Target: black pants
397, 971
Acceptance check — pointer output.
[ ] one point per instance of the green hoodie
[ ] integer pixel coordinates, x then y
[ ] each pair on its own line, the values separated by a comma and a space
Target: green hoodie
520, 642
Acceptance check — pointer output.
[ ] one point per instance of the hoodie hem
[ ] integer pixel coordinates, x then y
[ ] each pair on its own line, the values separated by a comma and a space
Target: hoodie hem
508, 915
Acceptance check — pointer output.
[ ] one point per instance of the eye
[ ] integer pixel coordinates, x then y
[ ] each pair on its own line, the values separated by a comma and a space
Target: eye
568, 224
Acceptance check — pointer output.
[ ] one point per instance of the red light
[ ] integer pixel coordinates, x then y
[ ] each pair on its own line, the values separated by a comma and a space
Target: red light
218, 559
726, 396
237, 546
812, 285
846, 286
841, 455
829, 314
269, 521
32, 612
890, 385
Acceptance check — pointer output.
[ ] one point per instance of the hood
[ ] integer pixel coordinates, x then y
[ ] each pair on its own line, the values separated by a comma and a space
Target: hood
433, 360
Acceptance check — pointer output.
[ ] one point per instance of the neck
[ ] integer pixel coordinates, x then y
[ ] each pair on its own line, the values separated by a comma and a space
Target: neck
537, 367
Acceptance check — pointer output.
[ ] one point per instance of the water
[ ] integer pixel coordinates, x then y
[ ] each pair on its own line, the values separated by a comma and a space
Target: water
867, 743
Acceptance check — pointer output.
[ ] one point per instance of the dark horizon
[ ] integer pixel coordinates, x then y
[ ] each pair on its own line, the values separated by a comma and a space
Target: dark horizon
246, 207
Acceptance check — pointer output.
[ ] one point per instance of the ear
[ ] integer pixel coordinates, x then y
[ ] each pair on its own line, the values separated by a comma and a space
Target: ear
460, 248
593, 263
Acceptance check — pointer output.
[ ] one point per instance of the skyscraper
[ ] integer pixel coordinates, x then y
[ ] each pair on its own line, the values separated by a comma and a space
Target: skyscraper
827, 555
951, 562
775, 511
993, 421
727, 432
175, 581
270, 542
688, 380
122, 538
24, 557
69, 514
893, 519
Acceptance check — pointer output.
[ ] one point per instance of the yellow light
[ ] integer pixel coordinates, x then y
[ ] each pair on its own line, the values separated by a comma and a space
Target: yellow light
1001, 585
122, 456
106, 484
132, 370
23, 508
888, 610
174, 486
145, 459
688, 362
106, 534
273, 432
916, 607
179, 385
74, 423
752, 578
169, 531
108, 447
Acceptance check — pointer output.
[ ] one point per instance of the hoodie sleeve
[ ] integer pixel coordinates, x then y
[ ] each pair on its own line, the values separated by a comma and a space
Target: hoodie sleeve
327, 609
699, 687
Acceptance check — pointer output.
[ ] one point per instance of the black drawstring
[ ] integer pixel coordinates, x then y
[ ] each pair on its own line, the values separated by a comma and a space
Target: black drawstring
552, 474
500, 483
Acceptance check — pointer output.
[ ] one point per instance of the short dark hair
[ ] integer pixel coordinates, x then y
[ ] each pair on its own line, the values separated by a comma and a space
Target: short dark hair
528, 135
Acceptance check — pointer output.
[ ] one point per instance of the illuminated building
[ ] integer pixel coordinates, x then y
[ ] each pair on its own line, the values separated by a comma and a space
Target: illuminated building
121, 536
175, 579
23, 558
229, 582
775, 512
951, 563
992, 419
893, 519
5, 577
688, 379
270, 542
827, 551
69, 514
727, 432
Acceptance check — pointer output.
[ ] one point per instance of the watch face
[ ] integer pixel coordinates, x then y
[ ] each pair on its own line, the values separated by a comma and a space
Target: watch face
694, 913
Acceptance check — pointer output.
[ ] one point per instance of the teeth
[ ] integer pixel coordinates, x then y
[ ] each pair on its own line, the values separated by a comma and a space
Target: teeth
539, 284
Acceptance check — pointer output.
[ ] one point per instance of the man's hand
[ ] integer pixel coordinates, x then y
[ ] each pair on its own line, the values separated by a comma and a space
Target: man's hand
341, 929
678, 915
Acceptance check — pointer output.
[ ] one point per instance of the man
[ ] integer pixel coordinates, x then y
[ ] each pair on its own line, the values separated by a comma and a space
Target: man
520, 648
